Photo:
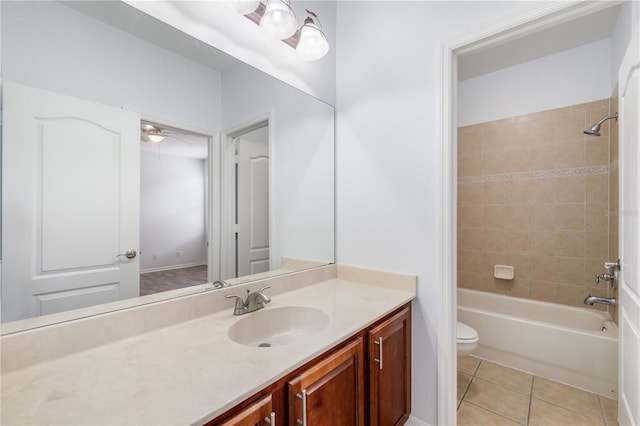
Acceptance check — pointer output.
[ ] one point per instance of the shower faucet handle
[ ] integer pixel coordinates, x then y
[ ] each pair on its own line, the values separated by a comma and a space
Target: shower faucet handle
612, 265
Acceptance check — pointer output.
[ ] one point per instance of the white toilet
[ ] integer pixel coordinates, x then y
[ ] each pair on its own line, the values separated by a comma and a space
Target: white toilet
467, 339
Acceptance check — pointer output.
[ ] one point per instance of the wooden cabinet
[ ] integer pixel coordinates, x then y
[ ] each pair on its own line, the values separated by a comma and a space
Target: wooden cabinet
364, 380
389, 347
259, 413
330, 392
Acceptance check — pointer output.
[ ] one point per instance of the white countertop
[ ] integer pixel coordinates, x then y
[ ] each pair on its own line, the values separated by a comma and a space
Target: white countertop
187, 373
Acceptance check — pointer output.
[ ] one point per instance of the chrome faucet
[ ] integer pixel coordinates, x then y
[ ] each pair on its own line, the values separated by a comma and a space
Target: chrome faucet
220, 284
590, 300
254, 302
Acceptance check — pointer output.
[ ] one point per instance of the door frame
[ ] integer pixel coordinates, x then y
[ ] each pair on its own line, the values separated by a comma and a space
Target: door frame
227, 184
529, 20
213, 228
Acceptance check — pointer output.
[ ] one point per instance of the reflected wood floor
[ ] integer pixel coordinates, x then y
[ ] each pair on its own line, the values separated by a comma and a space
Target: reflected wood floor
155, 282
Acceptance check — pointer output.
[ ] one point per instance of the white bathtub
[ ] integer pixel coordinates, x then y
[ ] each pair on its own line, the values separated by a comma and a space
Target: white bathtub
575, 346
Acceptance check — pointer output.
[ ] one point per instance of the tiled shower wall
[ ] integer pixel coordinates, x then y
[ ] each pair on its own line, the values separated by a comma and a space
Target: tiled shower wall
533, 192
613, 198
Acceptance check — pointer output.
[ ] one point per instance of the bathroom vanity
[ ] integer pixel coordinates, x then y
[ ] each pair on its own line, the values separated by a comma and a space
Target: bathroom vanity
365, 380
179, 363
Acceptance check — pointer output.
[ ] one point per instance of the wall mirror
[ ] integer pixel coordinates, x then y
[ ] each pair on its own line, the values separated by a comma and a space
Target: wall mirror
139, 164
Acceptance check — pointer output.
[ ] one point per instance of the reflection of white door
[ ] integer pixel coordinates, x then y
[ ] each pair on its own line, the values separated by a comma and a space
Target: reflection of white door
629, 291
252, 207
70, 203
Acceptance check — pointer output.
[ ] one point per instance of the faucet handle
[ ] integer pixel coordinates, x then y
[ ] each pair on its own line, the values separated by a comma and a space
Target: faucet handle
612, 265
240, 306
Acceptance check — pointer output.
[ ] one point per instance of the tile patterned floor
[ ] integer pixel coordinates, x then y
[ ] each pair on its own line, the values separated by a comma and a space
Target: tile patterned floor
492, 394
155, 282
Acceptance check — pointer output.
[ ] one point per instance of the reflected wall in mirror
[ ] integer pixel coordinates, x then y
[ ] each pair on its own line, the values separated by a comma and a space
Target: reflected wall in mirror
82, 82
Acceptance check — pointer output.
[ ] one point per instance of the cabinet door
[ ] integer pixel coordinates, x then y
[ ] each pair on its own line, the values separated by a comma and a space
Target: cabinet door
390, 370
331, 393
257, 414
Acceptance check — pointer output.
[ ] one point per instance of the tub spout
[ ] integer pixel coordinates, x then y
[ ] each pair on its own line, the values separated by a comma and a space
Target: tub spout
590, 300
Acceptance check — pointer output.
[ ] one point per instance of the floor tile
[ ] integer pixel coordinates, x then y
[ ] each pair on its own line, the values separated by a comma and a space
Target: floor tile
610, 409
505, 376
545, 414
471, 415
500, 400
463, 383
568, 397
468, 364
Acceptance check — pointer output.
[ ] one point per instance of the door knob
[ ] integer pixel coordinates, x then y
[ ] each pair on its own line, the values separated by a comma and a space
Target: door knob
129, 254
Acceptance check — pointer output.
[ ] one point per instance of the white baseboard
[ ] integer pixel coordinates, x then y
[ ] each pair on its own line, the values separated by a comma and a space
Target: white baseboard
171, 267
415, 422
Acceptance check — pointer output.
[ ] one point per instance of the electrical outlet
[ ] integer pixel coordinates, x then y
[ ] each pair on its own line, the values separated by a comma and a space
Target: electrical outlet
155, 257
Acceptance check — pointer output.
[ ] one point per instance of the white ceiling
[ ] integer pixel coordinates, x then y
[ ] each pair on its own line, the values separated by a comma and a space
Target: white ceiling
567, 35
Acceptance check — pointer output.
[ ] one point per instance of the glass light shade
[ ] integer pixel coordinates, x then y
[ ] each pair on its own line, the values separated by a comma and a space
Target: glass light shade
313, 44
278, 20
245, 7
155, 138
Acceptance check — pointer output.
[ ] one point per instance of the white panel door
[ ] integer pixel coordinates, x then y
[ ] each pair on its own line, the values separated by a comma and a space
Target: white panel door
629, 291
70, 197
253, 207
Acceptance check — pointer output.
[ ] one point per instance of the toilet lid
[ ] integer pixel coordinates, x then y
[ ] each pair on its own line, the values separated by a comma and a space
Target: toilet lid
466, 333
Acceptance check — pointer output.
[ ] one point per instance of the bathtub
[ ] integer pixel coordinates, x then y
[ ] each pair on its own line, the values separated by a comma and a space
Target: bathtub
571, 345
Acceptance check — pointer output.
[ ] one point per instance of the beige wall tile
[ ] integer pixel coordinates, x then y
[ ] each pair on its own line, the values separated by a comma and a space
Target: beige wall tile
472, 165
570, 189
471, 238
517, 216
570, 295
597, 245
570, 243
542, 243
597, 152
518, 287
470, 280
541, 155
570, 216
568, 126
520, 262
542, 216
516, 159
542, 191
493, 192
542, 268
570, 270
542, 290
470, 216
472, 193
471, 143
516, 241
597, 188
492, 162
493, 216
596, 217
516, 192
493, 239
570, 153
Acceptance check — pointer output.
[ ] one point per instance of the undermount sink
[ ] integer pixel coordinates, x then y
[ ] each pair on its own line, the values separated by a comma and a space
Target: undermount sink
278, 326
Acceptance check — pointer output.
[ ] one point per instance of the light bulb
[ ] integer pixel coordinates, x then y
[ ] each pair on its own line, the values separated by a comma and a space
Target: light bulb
313, 44
155, 137
245, 7
278, 20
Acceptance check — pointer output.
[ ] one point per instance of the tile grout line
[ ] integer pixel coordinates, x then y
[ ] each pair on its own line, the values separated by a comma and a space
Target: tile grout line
604, 418
533, 379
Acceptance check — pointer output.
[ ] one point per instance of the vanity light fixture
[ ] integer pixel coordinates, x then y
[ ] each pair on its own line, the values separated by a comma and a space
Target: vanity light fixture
277, 19
313, 44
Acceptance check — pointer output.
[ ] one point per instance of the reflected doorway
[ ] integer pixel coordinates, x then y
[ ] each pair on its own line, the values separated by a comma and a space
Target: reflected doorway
174, 214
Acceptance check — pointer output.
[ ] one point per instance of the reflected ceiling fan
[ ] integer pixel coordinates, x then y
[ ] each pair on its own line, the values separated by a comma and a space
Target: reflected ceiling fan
156, 134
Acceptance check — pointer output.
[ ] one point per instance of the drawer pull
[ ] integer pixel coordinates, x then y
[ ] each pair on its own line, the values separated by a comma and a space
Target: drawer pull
271, 419
379, 359
303, 397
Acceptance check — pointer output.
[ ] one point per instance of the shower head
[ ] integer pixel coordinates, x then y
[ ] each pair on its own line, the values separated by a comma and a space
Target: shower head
595, 129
